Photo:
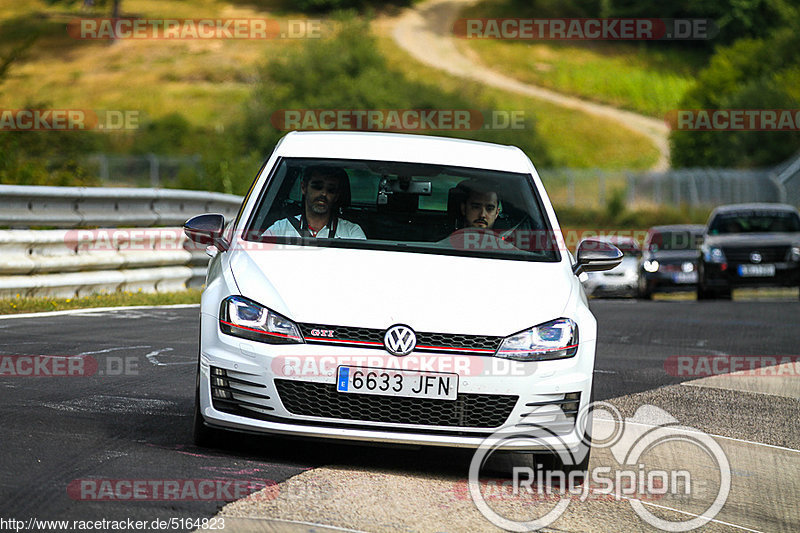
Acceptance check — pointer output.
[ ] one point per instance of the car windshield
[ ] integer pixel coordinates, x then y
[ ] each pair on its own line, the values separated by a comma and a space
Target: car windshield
755, 222
406, 207
628, 248
675, 240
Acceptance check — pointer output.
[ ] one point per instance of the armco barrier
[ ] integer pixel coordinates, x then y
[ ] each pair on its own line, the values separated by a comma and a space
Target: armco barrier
75, 262
23, 206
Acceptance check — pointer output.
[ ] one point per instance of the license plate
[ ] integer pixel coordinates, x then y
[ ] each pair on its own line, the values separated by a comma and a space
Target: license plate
685, 277
387, 382
756, 270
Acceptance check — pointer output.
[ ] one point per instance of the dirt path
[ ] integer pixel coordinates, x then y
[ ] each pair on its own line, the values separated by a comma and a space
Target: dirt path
425, 32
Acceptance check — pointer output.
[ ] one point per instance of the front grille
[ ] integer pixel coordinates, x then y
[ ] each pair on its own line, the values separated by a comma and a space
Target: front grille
371, 337
769, 254
324, 401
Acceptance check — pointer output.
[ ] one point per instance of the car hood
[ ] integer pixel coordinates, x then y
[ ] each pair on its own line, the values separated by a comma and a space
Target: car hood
376, 289
673, 256
628, 264
744, 240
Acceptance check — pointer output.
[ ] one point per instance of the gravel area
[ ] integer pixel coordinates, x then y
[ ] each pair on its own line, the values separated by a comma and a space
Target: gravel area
734, 414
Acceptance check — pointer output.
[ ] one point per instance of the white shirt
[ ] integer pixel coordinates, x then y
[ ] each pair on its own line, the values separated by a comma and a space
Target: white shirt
344, 230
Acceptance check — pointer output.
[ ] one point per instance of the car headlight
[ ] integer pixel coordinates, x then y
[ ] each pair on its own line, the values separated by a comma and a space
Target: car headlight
244, 318
713, 255
650, 266
556, 339
794, 254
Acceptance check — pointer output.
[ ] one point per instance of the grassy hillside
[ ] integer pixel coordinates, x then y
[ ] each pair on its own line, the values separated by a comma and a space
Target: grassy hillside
204, 80
650, 79
572, 138
208, 81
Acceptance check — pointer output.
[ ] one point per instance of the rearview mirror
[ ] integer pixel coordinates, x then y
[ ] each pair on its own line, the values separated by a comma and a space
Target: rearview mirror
207, 229
595, 256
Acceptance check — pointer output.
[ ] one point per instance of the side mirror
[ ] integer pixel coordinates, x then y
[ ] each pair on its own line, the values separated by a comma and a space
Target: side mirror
207, 230
595, 256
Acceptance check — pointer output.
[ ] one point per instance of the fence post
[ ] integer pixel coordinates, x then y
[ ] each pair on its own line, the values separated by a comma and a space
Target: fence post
154, 179
694, 194
570, 187
601, 186
631, 188
676, 189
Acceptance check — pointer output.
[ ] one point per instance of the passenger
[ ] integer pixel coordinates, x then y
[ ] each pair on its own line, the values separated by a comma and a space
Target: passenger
481, 206
321, 187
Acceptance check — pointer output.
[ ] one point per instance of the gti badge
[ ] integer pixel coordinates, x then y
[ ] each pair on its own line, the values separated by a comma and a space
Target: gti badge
399, 340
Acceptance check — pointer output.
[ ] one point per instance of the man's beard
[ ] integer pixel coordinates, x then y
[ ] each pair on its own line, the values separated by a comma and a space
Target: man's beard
318, 209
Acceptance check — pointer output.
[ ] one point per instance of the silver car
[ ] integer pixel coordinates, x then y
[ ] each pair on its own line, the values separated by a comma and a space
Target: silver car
621, 281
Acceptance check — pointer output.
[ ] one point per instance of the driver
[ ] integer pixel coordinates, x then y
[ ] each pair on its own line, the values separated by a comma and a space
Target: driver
321, 187
480, 206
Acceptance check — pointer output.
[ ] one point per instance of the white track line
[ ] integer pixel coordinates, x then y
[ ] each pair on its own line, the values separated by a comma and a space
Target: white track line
692, 514
695, 430
95, 310
286, 521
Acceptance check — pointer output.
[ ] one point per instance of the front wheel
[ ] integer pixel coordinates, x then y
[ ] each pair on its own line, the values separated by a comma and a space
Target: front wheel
645, 291
202, 435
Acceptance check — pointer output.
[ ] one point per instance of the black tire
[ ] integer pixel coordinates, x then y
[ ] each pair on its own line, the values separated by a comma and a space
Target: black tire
202, 435
645, 291
703, 293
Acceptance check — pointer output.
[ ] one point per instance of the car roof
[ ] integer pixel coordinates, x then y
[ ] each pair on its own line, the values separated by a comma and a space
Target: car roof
617, 239
733, 208
677, 227
403, 147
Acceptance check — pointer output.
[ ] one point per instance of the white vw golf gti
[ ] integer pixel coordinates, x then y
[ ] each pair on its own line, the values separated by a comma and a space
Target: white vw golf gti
394, 288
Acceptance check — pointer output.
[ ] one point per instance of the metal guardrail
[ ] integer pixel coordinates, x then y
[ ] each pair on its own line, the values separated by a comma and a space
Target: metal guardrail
131, 251
23, 206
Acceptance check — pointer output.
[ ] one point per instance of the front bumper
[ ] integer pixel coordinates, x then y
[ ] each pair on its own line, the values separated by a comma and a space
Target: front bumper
669, 281
542, 394
729, 275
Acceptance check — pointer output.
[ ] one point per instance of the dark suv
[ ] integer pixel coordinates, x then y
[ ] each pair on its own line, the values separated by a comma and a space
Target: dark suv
749, 245
669, 259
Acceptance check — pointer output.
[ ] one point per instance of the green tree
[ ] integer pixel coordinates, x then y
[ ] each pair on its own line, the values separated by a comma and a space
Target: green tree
750, 74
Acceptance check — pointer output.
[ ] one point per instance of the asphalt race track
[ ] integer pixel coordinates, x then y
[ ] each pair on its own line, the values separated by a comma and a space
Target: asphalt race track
131, 418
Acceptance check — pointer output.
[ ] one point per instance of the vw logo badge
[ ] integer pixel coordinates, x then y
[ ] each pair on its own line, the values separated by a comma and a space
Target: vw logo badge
400, 340
755, 257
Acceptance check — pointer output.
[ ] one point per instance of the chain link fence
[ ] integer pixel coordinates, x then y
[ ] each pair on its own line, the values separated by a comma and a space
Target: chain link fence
148, 170
694, 187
